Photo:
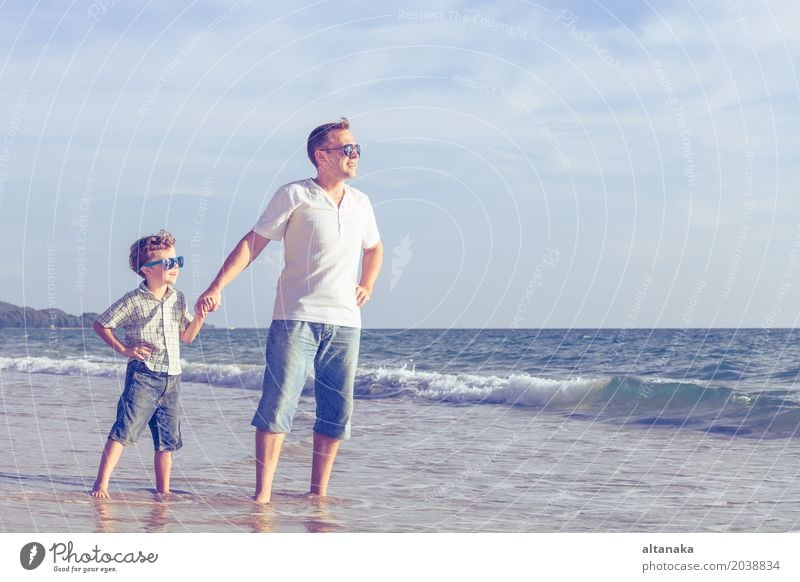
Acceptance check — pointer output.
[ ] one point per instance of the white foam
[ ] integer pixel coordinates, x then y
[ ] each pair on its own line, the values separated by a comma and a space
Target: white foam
220, 374
516, 389
65, 367
247, 376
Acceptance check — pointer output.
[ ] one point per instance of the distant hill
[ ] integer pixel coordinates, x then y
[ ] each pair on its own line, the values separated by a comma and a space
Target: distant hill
14, 316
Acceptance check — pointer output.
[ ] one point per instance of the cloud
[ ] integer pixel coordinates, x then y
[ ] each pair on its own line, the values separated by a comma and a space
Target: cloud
612, 127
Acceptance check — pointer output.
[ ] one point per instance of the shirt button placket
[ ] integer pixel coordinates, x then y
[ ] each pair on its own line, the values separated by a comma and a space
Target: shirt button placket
164, 331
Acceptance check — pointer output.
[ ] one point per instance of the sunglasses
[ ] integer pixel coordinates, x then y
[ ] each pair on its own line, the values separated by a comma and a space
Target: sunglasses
168, 263
347, 149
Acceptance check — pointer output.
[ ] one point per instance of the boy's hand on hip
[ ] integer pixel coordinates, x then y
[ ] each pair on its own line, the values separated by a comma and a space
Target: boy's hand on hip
138, 351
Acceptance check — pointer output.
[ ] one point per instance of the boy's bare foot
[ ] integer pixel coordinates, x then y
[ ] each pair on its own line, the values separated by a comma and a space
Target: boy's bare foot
99, 492
261, 498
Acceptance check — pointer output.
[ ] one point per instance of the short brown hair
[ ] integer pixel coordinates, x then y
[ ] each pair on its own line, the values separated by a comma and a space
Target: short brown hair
142, 250
318, 138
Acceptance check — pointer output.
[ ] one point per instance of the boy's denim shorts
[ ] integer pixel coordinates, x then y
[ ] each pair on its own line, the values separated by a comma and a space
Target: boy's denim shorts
292, 347
150, 398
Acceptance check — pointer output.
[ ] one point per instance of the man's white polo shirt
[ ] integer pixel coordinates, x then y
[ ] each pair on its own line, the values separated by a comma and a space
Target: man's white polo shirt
322, 251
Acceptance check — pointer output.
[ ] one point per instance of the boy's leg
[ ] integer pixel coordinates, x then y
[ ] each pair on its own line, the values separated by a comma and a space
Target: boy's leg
162, 461
165, 426
268, 451
108, 462
135, 405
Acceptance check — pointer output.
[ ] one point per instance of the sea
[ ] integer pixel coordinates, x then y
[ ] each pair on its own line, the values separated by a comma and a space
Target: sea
454, 430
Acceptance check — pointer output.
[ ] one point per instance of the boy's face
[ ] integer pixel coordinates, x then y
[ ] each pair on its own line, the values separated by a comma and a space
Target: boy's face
157, 276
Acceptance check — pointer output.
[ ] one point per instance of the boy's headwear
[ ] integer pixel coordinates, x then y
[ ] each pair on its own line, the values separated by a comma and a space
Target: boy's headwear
143, 249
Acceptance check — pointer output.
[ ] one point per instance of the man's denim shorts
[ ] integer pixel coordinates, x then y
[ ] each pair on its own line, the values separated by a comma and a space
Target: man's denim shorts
150, 398
292, 347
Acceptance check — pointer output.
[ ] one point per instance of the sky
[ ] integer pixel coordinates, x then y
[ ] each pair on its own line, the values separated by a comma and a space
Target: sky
567, 164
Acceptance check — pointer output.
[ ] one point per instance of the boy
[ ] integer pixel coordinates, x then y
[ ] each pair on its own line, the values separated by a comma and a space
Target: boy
154, 316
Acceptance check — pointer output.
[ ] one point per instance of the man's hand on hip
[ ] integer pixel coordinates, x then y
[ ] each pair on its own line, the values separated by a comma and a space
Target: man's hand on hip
362, 295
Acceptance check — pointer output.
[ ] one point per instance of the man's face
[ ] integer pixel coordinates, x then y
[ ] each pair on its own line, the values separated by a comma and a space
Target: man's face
333, 161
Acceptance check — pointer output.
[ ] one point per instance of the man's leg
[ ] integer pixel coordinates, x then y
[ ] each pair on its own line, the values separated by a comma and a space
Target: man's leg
268, 451
162, 461
291, 346
335, 370
325, 449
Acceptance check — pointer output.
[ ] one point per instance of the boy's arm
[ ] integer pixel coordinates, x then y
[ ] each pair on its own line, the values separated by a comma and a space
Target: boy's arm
138, 352
240, 258
191, 331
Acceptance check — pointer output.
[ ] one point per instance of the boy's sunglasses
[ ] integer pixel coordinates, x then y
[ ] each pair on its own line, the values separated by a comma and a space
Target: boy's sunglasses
347, 149
168, 263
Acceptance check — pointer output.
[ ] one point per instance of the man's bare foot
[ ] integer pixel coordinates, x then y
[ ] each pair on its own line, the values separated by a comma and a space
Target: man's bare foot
164, 495
319, 501
99, 492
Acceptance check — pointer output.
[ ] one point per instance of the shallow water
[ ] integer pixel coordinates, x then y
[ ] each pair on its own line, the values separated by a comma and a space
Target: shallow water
412, 465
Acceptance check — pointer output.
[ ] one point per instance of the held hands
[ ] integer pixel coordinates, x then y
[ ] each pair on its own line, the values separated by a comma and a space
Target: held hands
207, 302
362, 295
201, 309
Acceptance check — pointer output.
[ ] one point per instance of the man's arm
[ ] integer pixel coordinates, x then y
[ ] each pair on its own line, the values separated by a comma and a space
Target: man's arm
240, 258
371, 263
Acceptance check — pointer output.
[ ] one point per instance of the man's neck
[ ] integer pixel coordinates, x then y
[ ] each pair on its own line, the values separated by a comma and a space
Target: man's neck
333, 186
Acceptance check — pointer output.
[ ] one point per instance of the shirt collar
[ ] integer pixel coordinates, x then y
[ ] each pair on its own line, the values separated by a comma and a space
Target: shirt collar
143, 289
320, 190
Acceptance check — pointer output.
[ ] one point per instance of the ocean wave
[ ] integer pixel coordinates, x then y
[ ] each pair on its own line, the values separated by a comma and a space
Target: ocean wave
244, 376
217, 374
620, 399
60, 367
516, 389
634, 400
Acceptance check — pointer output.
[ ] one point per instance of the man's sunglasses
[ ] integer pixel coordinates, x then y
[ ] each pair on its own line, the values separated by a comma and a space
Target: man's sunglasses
347, 149
168, 263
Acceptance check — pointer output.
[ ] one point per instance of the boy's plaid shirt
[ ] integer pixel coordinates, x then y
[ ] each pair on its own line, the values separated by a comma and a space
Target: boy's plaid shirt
148, 320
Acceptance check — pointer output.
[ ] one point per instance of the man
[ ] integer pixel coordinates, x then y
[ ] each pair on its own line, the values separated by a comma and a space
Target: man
325, 225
